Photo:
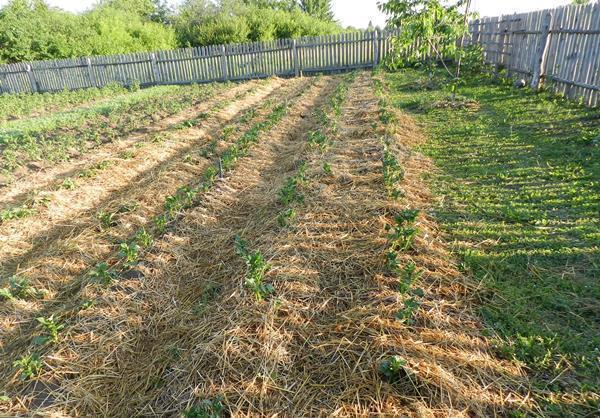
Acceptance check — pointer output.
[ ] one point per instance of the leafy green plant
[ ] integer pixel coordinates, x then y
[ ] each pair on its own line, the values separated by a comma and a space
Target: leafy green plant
327, 169
127, 155
19, 288
68, 184
284, 218
410, 274
257, 267
102, 274
107, 219
393, 368
160, 223
14, 213
143, 238
402, 233
405, 314
208, 408
129, 252
52, 328
30, 366
317, 139
393, 174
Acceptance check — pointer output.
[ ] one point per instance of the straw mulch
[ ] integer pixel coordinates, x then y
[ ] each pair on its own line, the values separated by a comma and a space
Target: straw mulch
188, 330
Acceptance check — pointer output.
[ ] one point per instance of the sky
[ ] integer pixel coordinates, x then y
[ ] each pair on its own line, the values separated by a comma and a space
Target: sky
358, 13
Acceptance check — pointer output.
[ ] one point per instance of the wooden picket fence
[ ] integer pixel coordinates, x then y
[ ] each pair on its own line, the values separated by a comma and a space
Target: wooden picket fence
285, 57
555, 48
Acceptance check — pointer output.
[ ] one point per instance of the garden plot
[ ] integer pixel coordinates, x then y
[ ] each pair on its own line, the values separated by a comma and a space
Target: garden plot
274, 251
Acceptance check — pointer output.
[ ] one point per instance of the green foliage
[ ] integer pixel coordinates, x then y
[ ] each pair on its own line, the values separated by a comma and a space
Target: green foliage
20, 288
52, 328
143, 238
392, 368
107, 219
321, 9
30, 366
402, 233
208, 408
393, 174
102, 274
205, 23
14, 213
519, 178
257, 267
438, 25
285, 217
30, 30
129, 252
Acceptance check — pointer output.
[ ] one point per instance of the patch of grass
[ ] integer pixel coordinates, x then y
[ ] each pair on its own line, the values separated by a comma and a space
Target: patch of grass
520, 173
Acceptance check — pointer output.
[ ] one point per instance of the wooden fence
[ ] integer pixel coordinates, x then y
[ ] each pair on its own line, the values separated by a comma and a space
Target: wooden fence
286, 57
556, 48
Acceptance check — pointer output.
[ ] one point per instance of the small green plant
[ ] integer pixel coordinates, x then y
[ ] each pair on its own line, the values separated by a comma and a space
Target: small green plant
107, 219
327, 169
410, 274
257, 267
317, 139
284, 218
129, 252
160, 223
52, 328
405, 314
19, 288
14, 213
68, 184
29, 366
403, 232
392, 368
208, 408
393, 174
102, 274
127, 155
289, 193
143, 238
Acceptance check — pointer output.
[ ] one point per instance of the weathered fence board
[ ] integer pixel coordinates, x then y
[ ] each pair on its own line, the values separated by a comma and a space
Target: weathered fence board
555, 48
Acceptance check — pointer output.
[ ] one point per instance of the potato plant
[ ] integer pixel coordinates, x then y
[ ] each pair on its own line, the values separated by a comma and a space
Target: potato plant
257, 267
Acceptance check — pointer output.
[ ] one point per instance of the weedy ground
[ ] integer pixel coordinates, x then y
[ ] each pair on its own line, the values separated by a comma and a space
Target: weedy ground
273, 247
518, 180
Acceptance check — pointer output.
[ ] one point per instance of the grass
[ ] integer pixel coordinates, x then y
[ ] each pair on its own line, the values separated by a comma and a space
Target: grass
520, 176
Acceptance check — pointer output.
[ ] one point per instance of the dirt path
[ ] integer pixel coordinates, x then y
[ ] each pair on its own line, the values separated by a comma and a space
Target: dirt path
45, 179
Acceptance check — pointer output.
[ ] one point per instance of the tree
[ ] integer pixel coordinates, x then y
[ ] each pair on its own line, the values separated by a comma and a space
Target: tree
437, 26
321, 9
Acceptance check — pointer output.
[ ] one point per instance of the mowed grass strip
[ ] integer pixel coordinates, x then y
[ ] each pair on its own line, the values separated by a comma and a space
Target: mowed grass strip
519, 188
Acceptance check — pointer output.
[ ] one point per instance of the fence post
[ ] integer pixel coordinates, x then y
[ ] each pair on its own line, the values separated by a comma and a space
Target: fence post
295, 58
155, 70
375, 48
31, 76
88, 63
224, 63
539, 65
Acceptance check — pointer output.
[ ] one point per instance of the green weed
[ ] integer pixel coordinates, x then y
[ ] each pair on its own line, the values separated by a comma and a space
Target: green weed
402, 233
